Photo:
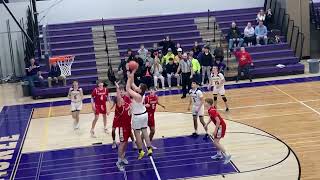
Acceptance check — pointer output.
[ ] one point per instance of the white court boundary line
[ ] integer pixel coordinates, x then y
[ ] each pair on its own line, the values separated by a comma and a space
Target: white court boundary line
295, 99
154, 165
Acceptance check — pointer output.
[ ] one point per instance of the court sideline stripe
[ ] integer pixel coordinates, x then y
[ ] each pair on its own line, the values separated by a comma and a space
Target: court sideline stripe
154, 165
44, 141
39, 166
304, 104
16, 163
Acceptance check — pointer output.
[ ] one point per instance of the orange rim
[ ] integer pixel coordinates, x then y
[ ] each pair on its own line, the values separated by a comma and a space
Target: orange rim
60, 58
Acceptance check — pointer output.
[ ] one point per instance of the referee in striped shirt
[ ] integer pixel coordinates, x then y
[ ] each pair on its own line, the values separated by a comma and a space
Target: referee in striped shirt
185, 66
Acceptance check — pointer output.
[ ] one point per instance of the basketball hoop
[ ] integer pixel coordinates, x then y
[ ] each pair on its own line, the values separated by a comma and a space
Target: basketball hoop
64, 63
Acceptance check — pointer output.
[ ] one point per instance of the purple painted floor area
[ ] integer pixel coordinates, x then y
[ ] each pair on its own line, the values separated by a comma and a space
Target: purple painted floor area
14, 121
177, 157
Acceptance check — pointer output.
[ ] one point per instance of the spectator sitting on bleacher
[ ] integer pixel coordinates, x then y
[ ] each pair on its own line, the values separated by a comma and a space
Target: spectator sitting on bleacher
234, 36
261, 33
33, 74
261, 16
146, 74
178, 45
156, 70
249, 38
178, 57
171, 69
196, 49
268, 19
206, 62
142, 52
154, 49
149, 58
166, 44
195, 66
129, 56
165, 59
55, 75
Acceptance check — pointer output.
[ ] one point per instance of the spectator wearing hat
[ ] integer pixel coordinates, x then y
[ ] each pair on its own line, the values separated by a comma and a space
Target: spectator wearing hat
166, 44
261, 33
178, 45
171, 69
165, 59
178, 57
206, 61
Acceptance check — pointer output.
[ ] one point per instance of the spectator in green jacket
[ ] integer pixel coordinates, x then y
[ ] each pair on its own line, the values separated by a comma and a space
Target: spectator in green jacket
165, 59
195, 66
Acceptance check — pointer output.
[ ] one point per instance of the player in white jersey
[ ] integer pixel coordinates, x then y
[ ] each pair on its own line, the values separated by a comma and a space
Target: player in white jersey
139, 113
76, 96
217, 81
197, 101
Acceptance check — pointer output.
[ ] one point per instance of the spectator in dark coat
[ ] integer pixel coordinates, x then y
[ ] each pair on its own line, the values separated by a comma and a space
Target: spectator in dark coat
234, 36
167, 43
196, 49
33, 74
146, 74
55, 75
206, 62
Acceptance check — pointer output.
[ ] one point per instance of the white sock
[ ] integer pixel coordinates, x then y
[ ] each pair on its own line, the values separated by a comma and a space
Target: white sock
219, 153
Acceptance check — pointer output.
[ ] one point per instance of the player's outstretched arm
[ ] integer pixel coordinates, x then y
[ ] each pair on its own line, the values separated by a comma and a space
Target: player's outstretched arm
131, 92
118, 96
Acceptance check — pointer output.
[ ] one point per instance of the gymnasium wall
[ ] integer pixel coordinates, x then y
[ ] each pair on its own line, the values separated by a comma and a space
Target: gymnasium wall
64, 11
12, 63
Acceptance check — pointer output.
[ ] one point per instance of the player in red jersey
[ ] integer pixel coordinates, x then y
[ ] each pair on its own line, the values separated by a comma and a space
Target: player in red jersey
124, 120
151, 102
117, 114
99, 98
219, 130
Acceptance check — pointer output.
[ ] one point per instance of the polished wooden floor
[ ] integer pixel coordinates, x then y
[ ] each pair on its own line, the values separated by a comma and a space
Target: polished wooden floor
290, 112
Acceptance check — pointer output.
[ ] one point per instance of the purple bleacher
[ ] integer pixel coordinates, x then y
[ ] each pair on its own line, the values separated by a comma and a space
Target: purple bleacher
157, 37
76, 38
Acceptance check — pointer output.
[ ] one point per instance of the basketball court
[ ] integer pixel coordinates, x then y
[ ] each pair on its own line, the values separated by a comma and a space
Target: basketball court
271, 134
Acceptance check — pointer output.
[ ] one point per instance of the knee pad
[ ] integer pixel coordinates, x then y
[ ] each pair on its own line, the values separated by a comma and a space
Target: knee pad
224, 98
215, 97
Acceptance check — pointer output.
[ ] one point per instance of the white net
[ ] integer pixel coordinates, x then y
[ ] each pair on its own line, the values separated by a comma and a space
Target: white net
65, 66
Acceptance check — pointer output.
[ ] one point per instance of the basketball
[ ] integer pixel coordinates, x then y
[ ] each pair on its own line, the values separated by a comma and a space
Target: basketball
133, 65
